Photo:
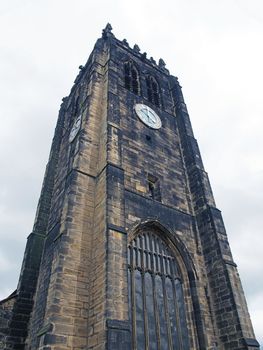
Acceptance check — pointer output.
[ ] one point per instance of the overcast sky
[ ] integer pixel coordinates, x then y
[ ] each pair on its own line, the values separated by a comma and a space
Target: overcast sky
215, 49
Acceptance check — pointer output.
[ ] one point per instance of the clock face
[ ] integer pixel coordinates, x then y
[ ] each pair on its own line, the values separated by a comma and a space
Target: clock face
148, 116
75, 128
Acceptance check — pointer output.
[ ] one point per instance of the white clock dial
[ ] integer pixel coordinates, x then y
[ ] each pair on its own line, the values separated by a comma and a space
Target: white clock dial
148, 116
75, 128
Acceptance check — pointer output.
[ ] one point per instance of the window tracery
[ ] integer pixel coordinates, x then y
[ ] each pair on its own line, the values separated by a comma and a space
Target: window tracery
131, 78
153, 91
156, 301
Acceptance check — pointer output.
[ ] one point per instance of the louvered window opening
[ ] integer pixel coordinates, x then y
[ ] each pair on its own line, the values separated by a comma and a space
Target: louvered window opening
156, 301
153, 91
131, 78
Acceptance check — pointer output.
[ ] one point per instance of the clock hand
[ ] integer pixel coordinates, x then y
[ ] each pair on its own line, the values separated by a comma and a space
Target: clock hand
146, 114
152, 117
149, 113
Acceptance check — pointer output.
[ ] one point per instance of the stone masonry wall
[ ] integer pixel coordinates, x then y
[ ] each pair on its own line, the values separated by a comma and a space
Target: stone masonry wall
134, 156
71, 298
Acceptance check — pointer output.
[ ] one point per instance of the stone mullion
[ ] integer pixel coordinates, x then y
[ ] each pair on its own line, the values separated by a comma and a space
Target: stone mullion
163, 274
167, 313
133, 306
178, 323
146, 329
156, 312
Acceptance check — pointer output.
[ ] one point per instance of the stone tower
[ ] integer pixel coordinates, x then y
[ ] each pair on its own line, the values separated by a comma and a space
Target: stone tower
128, 250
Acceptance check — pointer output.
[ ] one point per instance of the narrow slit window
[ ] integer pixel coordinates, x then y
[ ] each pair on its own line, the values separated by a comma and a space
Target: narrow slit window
154, 188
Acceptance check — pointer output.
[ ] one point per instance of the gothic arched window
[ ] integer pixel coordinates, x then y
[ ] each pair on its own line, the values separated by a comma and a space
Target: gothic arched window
131, 78
156, 301
153, 91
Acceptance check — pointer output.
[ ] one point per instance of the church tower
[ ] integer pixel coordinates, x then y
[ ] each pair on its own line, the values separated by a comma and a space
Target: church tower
128, 249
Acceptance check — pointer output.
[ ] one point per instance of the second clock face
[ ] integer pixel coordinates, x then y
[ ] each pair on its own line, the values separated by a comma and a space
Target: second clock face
148, 116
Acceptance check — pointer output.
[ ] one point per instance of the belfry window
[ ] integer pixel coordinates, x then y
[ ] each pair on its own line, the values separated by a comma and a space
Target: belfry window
131, 78
156, 301
153, 91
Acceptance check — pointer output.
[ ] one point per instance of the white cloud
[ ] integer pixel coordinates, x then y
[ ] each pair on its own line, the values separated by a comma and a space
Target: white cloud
256, 313
5, 263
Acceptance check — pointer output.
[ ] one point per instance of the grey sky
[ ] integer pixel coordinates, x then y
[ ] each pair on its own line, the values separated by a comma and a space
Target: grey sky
215, 49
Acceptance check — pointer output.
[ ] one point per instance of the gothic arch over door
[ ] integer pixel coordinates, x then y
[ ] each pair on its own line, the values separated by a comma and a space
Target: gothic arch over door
156, 298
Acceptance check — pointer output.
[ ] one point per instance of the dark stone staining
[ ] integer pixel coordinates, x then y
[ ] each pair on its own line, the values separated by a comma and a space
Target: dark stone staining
118, 335
50, 339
